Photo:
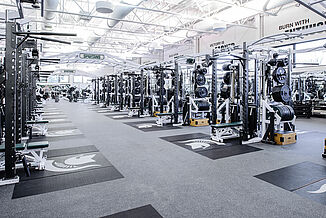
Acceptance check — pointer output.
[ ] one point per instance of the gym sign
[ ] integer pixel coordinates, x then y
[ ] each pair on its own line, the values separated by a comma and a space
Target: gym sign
91, 56
300, 25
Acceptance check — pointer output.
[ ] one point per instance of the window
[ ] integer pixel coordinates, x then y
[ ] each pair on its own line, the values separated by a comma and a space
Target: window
312, 56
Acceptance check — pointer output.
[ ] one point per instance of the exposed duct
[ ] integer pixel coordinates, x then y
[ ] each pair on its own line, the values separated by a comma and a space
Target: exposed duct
204, 25
49, 15
121, 11
270, 5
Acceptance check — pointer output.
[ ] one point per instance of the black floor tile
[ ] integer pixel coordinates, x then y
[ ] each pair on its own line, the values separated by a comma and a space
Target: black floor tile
141, 212
315, 192
150, 126
71, 151
184, 137
202, 144
68, 164
227, 151
296, 176
65, 181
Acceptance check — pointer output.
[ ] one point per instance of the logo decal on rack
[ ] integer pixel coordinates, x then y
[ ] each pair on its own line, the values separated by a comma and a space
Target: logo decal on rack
75, 163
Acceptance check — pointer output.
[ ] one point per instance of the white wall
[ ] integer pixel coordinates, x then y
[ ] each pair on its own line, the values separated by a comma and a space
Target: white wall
287, 19
185, 49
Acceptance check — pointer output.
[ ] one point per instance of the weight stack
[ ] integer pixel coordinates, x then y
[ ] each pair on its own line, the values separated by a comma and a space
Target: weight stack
285, 137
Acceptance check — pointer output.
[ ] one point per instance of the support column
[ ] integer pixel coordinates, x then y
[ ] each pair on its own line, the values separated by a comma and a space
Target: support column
245, 92
142, 92
10, 108
214, 92
176, 93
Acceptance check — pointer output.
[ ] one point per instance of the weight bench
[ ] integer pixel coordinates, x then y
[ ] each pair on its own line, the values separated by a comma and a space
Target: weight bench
34, 153
39, 125
165, 118
224, 131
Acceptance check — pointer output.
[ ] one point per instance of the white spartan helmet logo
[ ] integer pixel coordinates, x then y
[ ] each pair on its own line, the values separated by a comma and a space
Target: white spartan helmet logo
72, 164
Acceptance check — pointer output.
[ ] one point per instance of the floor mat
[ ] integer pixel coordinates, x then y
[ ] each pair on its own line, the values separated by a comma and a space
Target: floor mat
71, 151
122, 117
65, 172
202, 144
150, 126
306, 179
140, 212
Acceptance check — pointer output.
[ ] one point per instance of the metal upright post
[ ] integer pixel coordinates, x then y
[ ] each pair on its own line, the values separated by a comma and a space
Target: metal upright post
108, 87
116, 89
176, 93
94, 89
245, 92
133, 83
161, 89
141, 92
214, 92
19, 93
98, 91
24, 94
10, 96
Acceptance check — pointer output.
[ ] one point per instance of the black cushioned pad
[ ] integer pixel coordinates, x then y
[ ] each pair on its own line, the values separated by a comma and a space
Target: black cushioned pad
48, 181
200, 143
152, 128
71, 151
140, 212
300, 178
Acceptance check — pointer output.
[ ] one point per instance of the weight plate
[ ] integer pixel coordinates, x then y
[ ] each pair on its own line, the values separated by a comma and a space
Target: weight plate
226, 67
200, 80
137, 91
121, 90
227, 78
201, 92
159, 82
281, 93
279, 75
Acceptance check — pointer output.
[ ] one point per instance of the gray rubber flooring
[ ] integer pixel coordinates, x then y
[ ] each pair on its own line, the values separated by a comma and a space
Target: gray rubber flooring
175, 181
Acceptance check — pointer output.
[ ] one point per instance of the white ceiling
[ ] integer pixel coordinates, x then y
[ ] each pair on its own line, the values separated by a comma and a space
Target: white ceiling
143, 32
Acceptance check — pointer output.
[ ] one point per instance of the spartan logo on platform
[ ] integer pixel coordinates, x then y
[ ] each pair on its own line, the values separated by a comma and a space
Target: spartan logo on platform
74, 163
200, 143
321, 190
145, 125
